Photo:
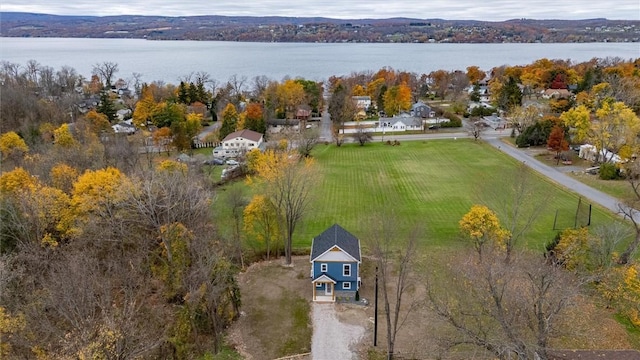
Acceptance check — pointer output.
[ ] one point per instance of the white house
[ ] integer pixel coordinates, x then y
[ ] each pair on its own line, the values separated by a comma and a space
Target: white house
239, 142
362, 102
591, 153
124, 127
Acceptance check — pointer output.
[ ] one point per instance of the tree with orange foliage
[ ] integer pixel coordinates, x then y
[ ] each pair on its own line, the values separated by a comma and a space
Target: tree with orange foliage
162, 139
254, 118
557, 142
397, 99
475, 75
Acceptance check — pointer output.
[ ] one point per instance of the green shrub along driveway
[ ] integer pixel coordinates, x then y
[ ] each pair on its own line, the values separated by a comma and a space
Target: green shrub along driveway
432, 183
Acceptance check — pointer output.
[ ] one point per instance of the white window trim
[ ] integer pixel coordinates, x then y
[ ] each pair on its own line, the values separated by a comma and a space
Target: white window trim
324, 267
346, 285
344, 269
318, 285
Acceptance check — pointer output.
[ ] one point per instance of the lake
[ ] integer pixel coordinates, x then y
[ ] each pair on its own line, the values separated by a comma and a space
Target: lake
169, 61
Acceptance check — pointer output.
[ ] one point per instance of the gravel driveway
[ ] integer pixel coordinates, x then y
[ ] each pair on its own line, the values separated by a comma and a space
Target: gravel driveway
332, 339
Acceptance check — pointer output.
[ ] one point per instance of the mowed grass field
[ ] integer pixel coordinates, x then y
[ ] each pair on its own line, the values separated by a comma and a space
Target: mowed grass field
432, 183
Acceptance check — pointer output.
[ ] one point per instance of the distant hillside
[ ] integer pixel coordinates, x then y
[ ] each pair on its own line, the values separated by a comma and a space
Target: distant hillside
317, 29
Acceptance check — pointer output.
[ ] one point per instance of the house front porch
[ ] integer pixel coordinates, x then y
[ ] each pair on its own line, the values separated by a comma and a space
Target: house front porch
323, 289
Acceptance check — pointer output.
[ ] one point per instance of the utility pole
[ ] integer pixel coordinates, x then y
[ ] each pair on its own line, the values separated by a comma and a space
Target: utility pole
375, 317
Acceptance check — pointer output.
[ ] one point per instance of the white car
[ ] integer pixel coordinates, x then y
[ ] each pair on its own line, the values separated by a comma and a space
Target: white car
232, 162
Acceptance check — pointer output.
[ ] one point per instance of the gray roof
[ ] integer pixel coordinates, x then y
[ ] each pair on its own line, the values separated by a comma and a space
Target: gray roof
335, 235
419, 104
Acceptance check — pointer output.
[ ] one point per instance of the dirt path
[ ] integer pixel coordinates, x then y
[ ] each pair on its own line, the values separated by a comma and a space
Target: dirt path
332, 338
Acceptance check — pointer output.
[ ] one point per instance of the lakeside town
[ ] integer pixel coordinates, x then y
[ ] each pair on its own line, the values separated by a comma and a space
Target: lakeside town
320, 30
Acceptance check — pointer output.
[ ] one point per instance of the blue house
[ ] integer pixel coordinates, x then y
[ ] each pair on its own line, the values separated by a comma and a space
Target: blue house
335, 264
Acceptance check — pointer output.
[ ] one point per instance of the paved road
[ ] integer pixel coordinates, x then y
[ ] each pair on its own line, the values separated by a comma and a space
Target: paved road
325, 123
559, 177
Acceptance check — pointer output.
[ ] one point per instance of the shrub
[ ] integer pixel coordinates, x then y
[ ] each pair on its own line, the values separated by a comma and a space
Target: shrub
535, 135
454, 120
609, 171
480, 111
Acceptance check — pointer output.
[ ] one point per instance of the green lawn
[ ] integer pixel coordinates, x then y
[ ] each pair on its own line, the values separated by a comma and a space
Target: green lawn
619, 189
430, 182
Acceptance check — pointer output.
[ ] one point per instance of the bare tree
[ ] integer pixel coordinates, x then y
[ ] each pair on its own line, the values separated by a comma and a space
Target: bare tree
521, 118
237, 201
105, 71
629, 209
475, 127
509, 310
260, 84
362, 136
236, 84
518, 201
307, 140
341, 109
289, 185
394, 254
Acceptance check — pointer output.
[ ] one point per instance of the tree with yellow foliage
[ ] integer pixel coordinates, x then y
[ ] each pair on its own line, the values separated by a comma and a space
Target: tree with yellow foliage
358, 90
63, 176
288, 182
615, 127
32, 212
63, 138
261, 221
174, 259
290, 95
621, 287
482, 226
98, 122
16, 180
12, 146
9, 325
146, 108
98, 193
229, 120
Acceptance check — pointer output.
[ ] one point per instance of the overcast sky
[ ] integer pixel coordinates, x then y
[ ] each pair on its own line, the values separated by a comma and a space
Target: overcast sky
491, 10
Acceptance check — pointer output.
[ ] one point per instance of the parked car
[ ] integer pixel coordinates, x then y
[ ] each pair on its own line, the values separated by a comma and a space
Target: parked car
214, 161
232, 162
434, 127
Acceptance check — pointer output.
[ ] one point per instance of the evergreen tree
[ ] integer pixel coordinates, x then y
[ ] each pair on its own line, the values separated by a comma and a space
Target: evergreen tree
193, 93
510, 95
107, 107
183, 95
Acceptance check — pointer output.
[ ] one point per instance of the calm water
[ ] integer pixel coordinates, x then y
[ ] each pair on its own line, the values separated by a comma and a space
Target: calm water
171, 60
